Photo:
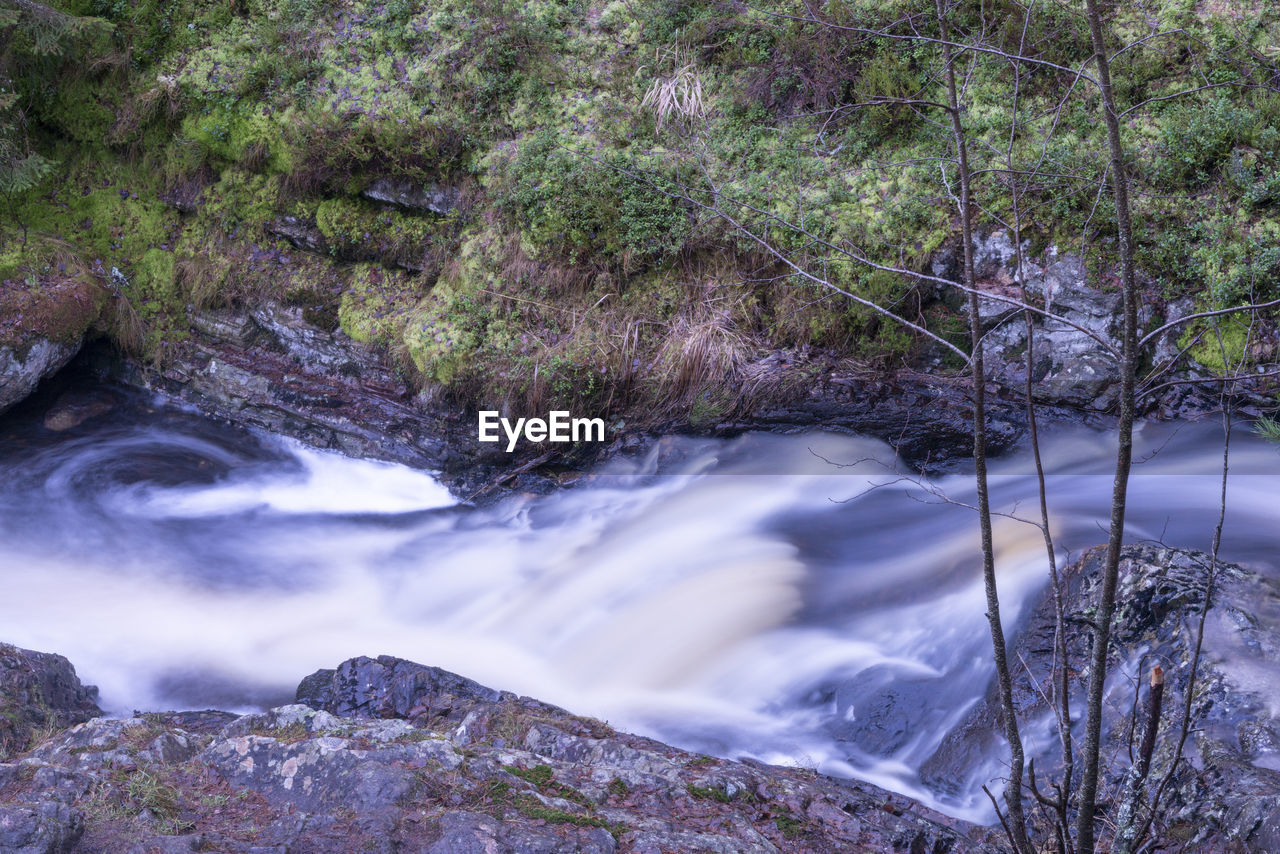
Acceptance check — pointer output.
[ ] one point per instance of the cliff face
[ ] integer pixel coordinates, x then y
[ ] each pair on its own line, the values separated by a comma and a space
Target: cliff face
386, 755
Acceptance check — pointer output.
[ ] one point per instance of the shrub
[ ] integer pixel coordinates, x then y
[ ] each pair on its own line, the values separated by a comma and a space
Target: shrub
614, 208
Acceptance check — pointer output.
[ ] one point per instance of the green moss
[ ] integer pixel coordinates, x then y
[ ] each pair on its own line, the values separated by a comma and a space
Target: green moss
538, 775
242, 133
703, 793
614, 208
359, 230
572, 191
375, 304
439, 339
1221, 346
47, 303
80, 108
239, 201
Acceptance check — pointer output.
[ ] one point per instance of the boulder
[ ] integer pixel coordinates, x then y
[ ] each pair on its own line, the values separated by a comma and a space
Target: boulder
22, 368
389, 687
48, 827
39, 691
302, 233
411, 758
1070, 366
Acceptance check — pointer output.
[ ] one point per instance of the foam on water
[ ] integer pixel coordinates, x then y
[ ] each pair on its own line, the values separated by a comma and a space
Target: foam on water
743, 600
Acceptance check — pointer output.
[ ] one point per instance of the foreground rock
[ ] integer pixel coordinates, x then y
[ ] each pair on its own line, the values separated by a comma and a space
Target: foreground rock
39, 692
42, 325
1225, 796
391, 756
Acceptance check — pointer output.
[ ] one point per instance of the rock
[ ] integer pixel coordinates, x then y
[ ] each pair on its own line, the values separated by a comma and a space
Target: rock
22, 368
43, 321
73, 408
435, 198
99, 744
303, 234
388, 687
995, 255
1070, 366
39, 691
306, 345
463, 832
226, 327
49, 827
170, 844
1226, 795
327, 772
927, 420
272, 370
410, 758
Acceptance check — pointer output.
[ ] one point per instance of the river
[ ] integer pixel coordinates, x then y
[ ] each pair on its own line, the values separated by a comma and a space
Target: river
800, 599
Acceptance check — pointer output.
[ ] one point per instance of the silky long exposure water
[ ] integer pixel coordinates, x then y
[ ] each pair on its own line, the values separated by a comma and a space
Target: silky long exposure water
741, 597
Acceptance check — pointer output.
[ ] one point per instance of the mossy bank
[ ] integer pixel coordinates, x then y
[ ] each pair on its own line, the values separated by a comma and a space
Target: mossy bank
493, 194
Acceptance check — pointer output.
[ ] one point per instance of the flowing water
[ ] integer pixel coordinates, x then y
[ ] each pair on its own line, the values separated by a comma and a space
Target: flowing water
739, 597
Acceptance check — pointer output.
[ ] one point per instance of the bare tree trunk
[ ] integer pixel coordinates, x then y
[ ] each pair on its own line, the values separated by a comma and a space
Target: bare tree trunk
1124, 447
1013, 790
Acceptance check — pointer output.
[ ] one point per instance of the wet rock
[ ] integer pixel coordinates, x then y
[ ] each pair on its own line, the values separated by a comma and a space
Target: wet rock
22, 369
227, 327
1226, 794
48, 827
73, 408
39, 691
927, 420
434, 198
272, 370
43, 321
306, 345
1071, 363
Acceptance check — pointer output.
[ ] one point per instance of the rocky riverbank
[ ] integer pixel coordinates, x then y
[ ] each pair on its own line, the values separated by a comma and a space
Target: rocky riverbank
271, 366
391, 756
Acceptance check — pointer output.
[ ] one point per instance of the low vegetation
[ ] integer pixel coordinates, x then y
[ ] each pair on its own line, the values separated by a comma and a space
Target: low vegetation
167, 139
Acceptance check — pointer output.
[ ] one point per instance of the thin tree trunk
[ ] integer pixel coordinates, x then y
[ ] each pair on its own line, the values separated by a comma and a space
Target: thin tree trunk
1013, 790
1124, 451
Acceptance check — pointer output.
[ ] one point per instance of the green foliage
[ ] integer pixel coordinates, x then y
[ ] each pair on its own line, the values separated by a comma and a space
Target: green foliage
612, 209
357, 230
1196, 139
1218, 346
375, 303
1268, 428
20, 171
891, 75
704, 793
242, 112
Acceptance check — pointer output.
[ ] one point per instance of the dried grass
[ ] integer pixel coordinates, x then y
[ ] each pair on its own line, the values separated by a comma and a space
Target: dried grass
700, 355
678, 96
